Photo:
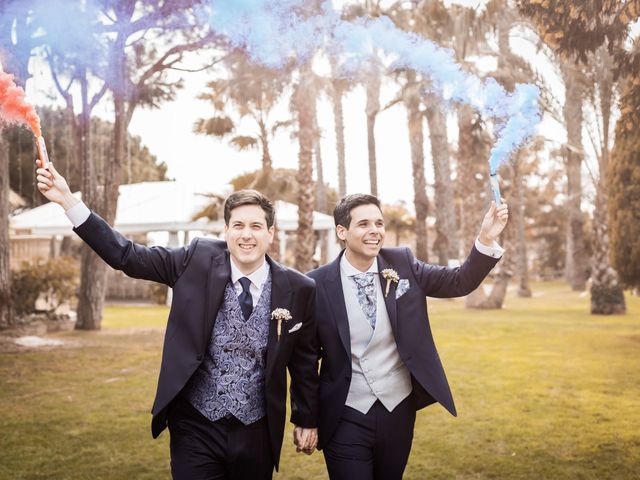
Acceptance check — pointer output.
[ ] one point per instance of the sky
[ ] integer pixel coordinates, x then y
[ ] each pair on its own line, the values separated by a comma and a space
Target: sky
209, 164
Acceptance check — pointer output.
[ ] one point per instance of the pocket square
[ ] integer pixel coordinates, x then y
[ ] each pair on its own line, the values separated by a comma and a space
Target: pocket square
296, 327
403, 286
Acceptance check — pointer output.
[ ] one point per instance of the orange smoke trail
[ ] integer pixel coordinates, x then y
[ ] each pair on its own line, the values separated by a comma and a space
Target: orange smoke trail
14, 108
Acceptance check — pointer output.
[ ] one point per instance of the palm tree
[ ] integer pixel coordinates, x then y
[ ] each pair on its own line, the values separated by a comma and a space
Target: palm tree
253, 91
398, 220
411, 100
432, 20
303, 104
370, 76
372, 87
576, 260
338, 88
607, 295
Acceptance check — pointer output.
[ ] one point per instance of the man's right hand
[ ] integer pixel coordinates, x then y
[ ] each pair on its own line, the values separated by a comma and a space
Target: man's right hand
53, 186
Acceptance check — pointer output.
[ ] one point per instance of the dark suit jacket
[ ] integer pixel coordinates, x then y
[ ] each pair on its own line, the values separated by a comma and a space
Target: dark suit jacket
409, 323
198, 275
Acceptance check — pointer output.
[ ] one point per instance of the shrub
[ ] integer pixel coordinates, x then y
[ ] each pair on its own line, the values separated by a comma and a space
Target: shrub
56, 279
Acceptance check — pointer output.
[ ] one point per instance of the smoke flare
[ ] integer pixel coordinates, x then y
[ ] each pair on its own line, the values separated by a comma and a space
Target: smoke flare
275, 31
14, 108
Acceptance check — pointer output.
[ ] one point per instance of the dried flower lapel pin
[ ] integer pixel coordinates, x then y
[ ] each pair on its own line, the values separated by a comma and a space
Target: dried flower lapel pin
392, 276
280, 315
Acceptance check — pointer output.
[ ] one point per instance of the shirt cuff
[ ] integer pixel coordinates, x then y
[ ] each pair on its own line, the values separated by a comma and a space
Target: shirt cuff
494, 250
78, 214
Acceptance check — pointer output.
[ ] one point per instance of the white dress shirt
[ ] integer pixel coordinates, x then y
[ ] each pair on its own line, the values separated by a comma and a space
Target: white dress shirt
258, 279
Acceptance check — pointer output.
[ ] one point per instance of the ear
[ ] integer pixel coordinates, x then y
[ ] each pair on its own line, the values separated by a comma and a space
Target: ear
272, 231
341, 232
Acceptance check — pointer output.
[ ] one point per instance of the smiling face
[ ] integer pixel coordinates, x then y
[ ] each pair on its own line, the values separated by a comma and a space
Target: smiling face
364, 237
248, 237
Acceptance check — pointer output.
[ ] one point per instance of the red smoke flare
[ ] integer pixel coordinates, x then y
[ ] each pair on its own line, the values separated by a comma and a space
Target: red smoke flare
13, 108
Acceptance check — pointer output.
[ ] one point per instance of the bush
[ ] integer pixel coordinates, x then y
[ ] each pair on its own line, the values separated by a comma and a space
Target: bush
56, 279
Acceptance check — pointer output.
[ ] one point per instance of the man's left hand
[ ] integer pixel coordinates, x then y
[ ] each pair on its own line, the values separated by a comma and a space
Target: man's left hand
305, 439
493, 223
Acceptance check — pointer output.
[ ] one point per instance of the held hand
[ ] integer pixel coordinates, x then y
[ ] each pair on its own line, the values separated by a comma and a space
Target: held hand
305, 439
53, 186
493, 223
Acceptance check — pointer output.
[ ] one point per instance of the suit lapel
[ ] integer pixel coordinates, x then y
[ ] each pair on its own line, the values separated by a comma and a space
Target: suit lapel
390, 298
335, 294
281, 295
219, 277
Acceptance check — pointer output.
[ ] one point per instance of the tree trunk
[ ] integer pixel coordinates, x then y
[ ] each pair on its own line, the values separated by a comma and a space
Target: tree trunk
93, 269
373, 107
321, 191
6, 313
518, 219
416, 140
445, 244
607, 296
267, 164
576, 260
338, 119
472, 155
274, 249
304, 103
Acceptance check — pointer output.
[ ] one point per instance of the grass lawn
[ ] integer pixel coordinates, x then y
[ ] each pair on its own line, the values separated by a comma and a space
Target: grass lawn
543, 390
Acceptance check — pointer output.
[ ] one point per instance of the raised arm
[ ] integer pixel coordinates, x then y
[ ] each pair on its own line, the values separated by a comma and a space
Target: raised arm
444, 282
157, 264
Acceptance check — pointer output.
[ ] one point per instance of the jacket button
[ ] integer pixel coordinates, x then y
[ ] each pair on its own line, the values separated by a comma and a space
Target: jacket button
199, 357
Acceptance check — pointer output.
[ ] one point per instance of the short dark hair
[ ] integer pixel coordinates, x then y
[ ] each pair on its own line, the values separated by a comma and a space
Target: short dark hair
342, 212
249, 197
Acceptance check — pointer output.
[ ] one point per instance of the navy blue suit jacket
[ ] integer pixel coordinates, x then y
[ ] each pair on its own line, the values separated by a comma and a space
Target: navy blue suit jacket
198, 274
409, 323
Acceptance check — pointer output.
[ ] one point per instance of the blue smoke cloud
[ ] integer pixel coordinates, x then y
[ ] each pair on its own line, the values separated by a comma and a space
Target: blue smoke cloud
275, 31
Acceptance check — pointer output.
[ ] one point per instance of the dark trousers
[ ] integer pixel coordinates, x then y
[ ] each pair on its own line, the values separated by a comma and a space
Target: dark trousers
225, 449
371, 446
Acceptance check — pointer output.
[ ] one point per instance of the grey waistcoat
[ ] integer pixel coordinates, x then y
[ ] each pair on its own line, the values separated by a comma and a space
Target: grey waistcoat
377, 370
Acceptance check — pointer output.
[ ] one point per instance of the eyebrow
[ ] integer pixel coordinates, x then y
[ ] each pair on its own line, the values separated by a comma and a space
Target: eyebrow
367, 220
251, 222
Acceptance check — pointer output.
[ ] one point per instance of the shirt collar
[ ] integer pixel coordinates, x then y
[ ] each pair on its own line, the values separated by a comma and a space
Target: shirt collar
349, 270
257, 278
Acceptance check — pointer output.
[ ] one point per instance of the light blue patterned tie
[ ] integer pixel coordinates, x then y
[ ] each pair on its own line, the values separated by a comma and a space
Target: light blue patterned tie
366, 293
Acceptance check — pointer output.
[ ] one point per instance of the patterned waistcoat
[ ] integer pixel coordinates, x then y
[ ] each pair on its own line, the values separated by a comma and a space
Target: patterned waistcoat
231, 378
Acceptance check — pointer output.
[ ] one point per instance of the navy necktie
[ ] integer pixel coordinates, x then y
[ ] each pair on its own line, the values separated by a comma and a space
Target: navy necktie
245, 299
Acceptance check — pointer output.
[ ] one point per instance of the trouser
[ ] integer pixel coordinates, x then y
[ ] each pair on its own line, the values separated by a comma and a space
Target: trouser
225, 449
371, 446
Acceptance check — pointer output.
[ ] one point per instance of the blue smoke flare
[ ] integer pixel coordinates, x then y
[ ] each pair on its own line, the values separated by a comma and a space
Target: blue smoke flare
275, 31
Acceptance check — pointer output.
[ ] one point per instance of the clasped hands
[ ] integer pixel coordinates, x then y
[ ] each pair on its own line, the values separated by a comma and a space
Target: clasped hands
305, 439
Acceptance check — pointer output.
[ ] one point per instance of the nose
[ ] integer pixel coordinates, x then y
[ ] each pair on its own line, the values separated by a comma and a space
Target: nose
375, 229
246, 233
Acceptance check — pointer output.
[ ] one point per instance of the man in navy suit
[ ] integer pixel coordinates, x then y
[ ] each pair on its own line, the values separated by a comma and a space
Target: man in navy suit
238, 321
379, 363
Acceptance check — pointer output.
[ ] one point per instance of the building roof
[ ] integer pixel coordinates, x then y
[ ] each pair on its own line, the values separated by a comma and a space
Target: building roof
152, 207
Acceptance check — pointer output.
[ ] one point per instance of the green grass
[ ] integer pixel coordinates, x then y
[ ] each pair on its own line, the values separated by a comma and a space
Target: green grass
543, 390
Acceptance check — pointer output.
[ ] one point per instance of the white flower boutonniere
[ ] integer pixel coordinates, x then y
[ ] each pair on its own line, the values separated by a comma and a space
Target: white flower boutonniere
392, 276
280, 315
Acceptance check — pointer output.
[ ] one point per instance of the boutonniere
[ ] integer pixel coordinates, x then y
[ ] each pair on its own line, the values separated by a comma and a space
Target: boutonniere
280, 315
392, 276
